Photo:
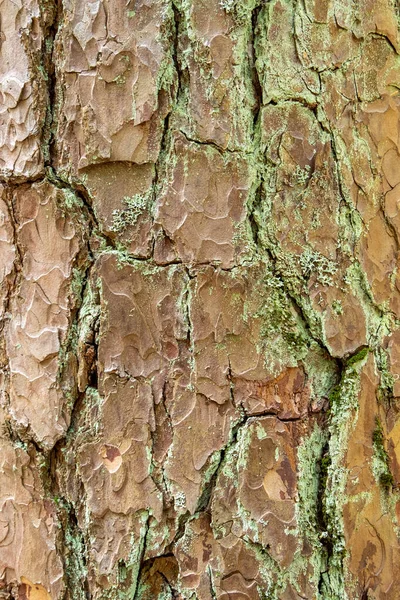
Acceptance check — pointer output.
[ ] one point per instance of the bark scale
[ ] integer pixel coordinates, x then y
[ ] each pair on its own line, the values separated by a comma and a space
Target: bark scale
200, 299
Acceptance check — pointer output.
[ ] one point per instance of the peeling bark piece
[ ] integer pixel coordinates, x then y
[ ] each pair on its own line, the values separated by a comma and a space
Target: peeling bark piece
267, 485
377, 70
282, 75
215, 569
122, 197
328, 35
115, 466
218, 100
159, 579
366, 144
196, 552
303, 215
116, 471
113, 81
143, 318
202, 208
377, 17
320, 41
7, 250
366, 141
382, 120
117, 540
236, 318
305, 194
344, 320
370, 145
368, 527
379, 256
105, 472
262, 508
23, 89
394, 358
197, 439
287, 396
42, 308
253, 511
28, 529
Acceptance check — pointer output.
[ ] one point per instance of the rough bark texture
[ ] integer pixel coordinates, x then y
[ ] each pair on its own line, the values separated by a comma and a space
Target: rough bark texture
200, 299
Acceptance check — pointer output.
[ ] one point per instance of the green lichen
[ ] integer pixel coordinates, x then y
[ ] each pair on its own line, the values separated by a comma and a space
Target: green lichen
312, 262
167, 74
386, 379
135, 206
302, 176
283, 338
337, 307
358, 357
310, 472
312, 475
78, 282
68, 346
75, 557
69, 201
124, 259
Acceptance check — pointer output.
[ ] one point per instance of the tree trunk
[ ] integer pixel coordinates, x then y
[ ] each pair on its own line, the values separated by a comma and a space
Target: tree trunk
200, 300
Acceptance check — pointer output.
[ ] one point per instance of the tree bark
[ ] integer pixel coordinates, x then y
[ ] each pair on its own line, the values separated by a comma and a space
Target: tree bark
200, 300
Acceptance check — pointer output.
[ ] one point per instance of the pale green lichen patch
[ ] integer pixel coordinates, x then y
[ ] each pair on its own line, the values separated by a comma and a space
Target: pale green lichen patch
386, 378
283, 339
135, 206
313, 262
309, 486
